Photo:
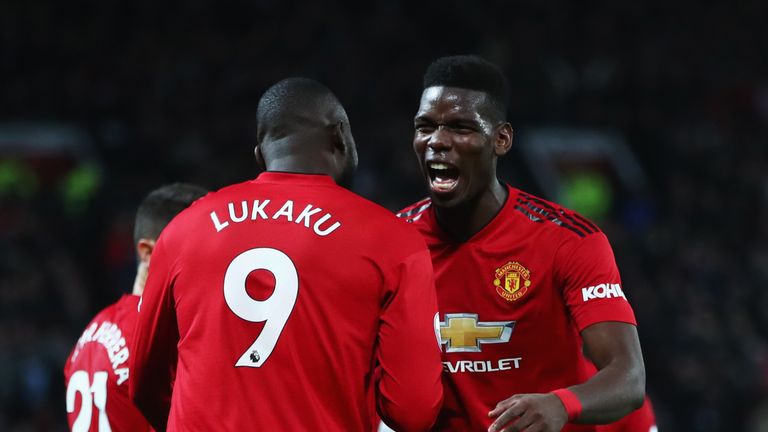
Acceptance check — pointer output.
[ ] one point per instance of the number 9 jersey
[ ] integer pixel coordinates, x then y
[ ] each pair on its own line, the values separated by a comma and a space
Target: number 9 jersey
285, 303
97, 373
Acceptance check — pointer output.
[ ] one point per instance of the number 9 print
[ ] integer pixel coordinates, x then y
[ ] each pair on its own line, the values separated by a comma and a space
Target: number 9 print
275, 310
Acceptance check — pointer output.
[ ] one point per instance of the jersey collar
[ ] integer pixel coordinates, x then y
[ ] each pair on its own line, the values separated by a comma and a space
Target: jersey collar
488, 230
296, 178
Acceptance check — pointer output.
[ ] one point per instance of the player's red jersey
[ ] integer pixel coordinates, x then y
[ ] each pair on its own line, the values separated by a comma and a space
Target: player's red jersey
513, 299
274, 300
97, 373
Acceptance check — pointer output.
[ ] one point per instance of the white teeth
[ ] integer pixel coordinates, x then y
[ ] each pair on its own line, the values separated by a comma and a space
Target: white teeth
439, 166
442, 181
443, 185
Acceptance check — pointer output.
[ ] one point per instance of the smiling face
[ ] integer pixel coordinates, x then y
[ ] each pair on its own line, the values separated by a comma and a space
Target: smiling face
457, 143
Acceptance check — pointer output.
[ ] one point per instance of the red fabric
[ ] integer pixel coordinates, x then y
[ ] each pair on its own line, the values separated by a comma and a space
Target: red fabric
111, 330
561, 255
364, 298
571, 403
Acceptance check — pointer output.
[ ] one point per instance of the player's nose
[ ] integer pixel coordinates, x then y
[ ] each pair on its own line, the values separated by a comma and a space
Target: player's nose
440, 139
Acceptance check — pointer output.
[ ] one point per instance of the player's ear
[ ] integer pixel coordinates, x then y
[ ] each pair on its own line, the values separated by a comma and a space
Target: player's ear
259, 158
502, 141
339, 139
144, 248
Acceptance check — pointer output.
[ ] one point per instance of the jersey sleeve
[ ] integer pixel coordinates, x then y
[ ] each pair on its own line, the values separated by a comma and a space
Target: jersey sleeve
591, 282
153, 351
409, 392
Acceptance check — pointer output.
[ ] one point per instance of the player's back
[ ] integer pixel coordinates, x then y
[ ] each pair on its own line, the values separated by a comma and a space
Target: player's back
97, 372
279, 286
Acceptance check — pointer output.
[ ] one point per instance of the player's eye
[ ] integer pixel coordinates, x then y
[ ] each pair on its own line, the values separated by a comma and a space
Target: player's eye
463, 129
424, 128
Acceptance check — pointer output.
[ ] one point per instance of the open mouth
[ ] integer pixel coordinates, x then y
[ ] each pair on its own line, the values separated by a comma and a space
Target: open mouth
442, 177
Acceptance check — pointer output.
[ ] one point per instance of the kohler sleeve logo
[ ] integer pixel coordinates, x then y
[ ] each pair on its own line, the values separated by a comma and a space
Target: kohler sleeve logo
602, 291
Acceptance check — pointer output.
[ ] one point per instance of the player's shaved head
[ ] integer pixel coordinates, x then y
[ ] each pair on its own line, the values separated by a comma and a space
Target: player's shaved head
294, 105
302, 127
472, 73
161, 206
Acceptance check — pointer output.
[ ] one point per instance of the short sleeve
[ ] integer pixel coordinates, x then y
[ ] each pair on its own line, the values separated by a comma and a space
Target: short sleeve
592, 289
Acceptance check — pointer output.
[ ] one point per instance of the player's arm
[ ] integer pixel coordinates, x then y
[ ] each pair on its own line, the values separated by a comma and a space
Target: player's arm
618, 387
607, 327
608, 330
153, 351
409, 392
616, 390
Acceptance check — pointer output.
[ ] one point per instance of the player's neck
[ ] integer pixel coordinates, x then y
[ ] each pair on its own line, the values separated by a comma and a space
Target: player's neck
302, 165
142, 271
463, 221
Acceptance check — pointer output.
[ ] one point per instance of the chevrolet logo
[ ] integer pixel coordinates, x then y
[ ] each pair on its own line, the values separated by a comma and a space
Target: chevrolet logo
462, 332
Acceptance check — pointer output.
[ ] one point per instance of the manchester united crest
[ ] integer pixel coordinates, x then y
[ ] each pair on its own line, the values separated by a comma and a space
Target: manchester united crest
512, 281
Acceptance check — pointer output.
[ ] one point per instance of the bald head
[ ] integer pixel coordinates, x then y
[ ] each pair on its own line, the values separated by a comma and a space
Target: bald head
302, 127
296, 106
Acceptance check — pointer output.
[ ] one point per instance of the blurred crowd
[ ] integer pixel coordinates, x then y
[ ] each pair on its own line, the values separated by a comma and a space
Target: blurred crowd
167, 92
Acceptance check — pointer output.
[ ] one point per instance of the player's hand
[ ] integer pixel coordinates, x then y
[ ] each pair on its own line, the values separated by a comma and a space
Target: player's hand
529, 412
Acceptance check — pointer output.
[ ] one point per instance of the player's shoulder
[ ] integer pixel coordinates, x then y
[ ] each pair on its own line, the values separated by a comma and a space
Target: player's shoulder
126, 307
378, 228
128, 304
553, 217
117, 318
377, 215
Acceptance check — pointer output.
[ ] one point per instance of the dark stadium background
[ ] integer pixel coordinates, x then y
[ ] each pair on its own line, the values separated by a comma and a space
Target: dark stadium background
102, 101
